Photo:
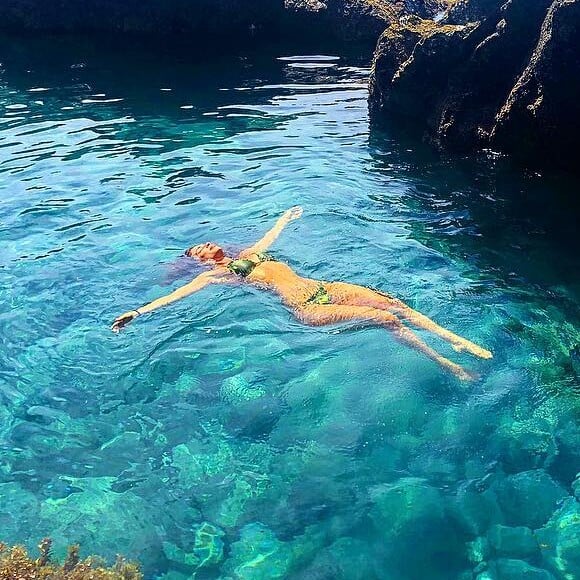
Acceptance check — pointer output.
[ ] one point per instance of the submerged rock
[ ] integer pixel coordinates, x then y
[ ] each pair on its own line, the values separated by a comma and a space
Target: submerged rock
106, 522
567, 463
516, 570
346, 558
257, 555
559, 540
254, 418
517, 542
245, 490
239, 388
196, 462
409, 509
475, 510
18, 512
509, 81
523, 445
208, 548
529, 498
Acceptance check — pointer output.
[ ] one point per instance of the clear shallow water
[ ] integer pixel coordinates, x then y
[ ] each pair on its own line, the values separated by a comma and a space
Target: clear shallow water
221, 437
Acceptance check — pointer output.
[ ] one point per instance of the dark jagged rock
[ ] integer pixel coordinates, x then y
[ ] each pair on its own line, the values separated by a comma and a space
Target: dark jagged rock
470, 11
543, 108
357, 19
510, 81
347, 19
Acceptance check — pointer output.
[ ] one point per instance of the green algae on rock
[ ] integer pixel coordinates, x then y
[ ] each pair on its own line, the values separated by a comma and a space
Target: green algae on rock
15, 563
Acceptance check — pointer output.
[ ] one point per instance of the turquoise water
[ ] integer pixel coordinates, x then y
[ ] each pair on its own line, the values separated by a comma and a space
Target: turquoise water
220, 438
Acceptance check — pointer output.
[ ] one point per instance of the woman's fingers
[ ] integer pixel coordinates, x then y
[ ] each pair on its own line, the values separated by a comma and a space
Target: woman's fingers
295, 212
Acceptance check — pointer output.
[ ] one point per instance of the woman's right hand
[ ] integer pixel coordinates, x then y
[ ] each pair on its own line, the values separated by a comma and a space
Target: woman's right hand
123, 320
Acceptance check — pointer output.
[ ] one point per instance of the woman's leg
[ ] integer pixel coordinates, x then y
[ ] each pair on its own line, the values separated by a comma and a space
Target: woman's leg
344, 294
320, 315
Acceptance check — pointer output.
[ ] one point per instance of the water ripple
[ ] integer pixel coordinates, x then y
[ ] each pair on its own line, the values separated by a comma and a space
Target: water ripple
223, 407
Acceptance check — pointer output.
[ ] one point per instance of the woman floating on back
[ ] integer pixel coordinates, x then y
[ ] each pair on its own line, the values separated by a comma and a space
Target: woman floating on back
314, 302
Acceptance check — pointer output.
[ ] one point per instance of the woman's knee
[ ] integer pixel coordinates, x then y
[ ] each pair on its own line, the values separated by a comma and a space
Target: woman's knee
310, 315
387, 319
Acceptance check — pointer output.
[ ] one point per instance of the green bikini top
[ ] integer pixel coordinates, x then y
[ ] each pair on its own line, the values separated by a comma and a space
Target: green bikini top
244, 267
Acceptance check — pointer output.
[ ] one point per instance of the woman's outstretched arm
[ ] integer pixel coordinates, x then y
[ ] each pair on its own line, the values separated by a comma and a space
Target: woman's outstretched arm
201, 281
262, 245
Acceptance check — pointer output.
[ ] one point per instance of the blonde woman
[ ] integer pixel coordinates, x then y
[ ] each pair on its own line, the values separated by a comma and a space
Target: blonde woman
314, 302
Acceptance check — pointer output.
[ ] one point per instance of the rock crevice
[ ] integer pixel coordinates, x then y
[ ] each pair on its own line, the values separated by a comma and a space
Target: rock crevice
508, 81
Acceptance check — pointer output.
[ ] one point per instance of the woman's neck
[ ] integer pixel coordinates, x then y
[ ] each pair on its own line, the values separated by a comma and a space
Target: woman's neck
223, 262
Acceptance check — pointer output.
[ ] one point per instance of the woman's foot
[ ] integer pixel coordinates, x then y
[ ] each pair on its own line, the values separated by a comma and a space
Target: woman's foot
470, 347
460, 372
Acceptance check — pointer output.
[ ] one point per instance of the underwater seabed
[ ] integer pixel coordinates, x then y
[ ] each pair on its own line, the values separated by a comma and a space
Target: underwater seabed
308, 477
221, 438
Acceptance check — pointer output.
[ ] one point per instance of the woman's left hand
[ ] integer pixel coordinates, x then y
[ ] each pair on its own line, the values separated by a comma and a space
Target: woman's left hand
293, 213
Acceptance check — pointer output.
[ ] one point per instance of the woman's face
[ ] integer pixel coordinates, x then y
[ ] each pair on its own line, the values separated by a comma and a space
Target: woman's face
205, 252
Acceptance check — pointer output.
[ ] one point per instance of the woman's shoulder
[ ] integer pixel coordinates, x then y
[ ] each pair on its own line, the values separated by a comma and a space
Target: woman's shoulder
255, 256
247, 254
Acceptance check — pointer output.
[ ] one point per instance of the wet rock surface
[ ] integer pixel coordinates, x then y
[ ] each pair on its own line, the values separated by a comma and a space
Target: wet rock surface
491, 74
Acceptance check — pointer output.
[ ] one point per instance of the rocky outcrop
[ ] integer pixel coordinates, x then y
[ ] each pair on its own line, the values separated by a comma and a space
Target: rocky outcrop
510, 81
357, 19
345, 19
219, 20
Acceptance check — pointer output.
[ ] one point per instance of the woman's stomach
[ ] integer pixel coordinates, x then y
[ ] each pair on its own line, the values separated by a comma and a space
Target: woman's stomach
282, 280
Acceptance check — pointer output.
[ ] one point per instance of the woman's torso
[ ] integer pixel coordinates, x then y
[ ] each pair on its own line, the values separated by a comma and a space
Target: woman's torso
281, 279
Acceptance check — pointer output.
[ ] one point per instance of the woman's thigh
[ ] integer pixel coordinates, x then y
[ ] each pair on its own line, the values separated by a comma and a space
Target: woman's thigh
355, 295
322, 314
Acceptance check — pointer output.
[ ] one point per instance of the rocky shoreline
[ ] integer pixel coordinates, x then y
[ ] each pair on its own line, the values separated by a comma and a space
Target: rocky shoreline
509, 81
223, 20
470, 74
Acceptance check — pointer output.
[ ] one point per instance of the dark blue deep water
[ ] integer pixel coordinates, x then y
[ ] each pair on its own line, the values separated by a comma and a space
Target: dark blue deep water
221, 438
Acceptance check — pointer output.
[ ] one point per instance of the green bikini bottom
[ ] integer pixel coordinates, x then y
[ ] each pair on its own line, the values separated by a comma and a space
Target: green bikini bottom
321, 296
